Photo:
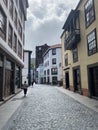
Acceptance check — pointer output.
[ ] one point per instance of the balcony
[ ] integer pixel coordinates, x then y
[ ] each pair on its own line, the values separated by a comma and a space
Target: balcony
72, 40
72, 30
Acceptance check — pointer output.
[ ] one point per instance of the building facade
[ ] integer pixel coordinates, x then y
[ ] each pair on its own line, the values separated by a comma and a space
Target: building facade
52, 65
40, 74
33, 70
40, 50
12, 35
80, 49
26, 71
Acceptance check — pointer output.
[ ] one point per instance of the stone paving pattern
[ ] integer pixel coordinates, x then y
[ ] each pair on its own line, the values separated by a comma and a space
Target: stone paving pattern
46, 108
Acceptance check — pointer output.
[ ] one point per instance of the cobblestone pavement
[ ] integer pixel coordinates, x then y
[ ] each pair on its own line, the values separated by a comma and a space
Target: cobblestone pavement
46, 108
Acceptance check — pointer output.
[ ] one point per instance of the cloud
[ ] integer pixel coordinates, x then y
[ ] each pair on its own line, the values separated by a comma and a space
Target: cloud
45, 21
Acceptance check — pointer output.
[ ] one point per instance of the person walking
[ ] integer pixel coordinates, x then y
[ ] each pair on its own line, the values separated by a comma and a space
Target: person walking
32, 83
25, 88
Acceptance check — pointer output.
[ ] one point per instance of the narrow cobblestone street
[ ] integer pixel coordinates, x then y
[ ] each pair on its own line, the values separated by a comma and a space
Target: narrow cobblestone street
46, 108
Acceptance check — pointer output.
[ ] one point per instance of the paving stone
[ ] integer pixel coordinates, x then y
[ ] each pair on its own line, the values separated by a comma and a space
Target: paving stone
46, 108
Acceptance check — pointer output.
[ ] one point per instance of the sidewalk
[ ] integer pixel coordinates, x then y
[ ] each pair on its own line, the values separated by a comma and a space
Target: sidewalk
89, 102
8, 108
9, 97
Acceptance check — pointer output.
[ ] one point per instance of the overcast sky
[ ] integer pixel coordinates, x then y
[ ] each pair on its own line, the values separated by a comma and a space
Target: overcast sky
45, 19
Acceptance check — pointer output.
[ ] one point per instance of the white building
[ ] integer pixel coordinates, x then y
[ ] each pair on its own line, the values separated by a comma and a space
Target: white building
40, 74
26, 71
33, 69
13, 15
52, 65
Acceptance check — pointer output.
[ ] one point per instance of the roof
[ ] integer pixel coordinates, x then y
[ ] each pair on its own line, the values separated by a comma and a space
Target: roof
72, 14
29, 51
62, 34
53, 46
79, 4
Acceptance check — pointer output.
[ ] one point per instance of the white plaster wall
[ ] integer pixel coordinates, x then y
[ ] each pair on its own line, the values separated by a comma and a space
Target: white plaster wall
4, 44
40, 70
25, 69
58, 61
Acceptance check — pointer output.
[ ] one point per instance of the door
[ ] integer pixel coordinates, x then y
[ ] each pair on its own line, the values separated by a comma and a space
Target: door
54, 80
76, 79
94, 81
48, 80
8, 87
67, 80
1, 82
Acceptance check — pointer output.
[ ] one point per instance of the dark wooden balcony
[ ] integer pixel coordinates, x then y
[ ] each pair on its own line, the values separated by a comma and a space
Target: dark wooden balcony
72, 40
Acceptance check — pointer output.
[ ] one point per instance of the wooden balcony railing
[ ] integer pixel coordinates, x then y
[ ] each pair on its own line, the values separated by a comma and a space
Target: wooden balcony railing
72, 40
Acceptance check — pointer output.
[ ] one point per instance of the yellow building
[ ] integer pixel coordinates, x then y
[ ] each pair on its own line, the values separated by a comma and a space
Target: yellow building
80, 49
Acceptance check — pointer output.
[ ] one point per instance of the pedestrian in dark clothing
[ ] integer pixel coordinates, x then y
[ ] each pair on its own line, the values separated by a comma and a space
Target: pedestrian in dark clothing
25, 88
32, 83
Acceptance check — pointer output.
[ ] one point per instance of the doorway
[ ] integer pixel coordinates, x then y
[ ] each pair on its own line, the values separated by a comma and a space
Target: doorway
67, 79
93, 81
1, 82
9, 79
54, 80
9, 86
77, 80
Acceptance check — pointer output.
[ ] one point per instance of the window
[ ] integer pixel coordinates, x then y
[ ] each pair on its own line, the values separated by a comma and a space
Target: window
45, 72
24, 24
11, 8
10, 35
54, 71
75, 55
48, 72
92, 42
54, 51
19, 50
5, 1
60, 64
23, 54
15, 43
89, 12
39, 48
16, 2
54, 61
20, 29
20, 9
15, 18
54, 80
66, 60
23, 39
1, 60
8, 64
2, 25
